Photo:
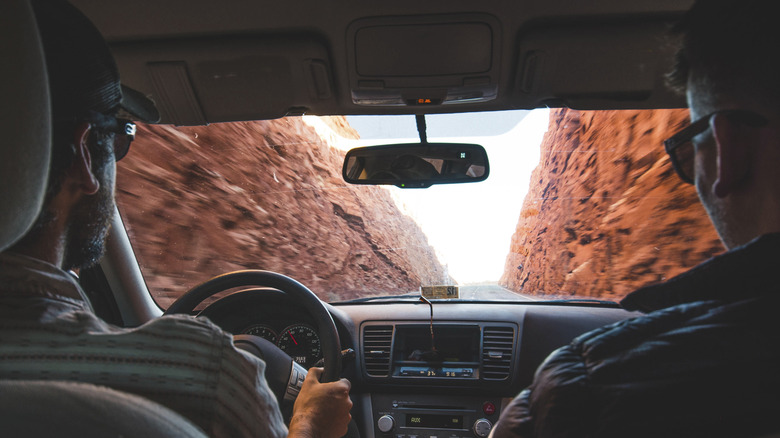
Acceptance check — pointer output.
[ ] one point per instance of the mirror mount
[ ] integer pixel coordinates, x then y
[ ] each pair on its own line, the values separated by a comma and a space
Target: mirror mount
422, 129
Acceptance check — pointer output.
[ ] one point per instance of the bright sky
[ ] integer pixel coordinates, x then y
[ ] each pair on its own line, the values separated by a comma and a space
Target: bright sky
469, 225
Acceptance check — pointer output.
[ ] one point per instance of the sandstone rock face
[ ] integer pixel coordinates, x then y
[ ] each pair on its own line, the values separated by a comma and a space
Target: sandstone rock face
201, 201
605, 212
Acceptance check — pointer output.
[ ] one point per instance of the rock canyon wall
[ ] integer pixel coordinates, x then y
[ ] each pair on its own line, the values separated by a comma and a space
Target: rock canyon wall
202, 201
605, 212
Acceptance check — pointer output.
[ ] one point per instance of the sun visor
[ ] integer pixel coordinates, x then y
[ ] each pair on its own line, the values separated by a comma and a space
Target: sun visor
430, 60
245, 78
565, 65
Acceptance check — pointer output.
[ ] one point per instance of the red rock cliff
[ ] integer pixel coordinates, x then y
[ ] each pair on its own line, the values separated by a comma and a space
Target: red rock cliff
201, 201
605, 212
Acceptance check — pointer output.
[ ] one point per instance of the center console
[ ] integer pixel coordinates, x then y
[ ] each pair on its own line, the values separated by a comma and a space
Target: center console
431, 366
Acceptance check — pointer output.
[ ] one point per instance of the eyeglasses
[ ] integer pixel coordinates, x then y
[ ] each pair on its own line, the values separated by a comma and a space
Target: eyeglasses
680, 147
124, 134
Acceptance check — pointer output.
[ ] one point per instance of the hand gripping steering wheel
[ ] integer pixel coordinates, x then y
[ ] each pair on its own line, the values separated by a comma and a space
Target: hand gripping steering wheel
281, 373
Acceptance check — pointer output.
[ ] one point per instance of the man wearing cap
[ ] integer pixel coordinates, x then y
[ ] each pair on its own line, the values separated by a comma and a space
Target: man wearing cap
47, 328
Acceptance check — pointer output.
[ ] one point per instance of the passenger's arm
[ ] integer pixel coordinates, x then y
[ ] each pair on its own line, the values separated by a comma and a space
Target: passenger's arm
558, 403
321, 409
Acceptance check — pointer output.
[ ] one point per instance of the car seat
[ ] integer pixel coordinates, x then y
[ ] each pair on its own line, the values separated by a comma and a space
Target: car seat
79, 410
50, 408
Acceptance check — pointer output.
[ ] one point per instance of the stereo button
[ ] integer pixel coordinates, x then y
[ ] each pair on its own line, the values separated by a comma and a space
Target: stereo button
385, 423
482, 428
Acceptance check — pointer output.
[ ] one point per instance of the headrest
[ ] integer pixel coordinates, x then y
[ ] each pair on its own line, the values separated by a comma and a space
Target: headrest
24, 122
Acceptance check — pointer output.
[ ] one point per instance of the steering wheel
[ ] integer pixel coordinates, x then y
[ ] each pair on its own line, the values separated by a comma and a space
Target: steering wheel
284, 376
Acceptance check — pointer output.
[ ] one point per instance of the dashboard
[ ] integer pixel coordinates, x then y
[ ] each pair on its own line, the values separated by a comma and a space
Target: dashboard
414, 376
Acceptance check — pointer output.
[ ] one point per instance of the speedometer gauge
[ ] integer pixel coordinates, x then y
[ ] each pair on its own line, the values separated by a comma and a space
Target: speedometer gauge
301, 343
263, 331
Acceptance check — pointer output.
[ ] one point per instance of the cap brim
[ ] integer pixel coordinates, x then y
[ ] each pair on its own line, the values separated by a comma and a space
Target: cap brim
138, 107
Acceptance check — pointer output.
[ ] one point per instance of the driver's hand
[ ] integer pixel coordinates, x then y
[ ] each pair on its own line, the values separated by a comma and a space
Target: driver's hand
321, 409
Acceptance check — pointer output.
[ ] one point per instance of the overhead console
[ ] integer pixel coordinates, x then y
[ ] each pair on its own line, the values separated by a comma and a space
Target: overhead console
423, 60
465, 354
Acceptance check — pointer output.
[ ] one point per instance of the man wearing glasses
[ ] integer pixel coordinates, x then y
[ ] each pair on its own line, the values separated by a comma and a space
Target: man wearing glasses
47, 328
704, 359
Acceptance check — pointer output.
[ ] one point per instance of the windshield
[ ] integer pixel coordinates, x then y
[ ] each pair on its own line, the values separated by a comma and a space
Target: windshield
578, 205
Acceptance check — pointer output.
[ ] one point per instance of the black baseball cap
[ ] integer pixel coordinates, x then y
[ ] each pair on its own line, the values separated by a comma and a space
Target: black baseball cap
83, 75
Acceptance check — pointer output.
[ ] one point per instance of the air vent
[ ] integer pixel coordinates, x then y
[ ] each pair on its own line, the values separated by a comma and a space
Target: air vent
497, 343
377, 341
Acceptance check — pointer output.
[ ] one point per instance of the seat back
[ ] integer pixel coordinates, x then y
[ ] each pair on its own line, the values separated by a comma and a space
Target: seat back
71, 409
24, 122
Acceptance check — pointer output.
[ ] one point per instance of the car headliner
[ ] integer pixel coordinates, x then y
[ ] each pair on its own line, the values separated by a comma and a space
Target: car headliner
207, 61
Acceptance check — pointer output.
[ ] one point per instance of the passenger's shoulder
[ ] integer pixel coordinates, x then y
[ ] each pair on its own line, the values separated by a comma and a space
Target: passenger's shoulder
627, 334
685, 331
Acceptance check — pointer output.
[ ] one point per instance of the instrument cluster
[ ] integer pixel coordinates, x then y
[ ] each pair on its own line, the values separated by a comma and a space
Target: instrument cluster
300, 341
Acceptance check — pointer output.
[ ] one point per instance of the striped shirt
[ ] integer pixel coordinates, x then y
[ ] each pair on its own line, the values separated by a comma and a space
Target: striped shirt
48, 332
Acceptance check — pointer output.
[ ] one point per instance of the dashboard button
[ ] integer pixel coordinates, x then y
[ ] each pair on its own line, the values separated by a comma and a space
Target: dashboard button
482, 428
385, 423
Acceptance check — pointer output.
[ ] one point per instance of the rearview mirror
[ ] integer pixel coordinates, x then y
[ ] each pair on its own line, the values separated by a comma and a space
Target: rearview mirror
416, 165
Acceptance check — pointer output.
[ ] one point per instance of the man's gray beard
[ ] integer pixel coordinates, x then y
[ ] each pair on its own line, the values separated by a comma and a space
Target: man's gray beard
88, 229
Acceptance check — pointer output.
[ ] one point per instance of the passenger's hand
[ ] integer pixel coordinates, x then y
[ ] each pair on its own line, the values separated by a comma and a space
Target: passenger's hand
321, 409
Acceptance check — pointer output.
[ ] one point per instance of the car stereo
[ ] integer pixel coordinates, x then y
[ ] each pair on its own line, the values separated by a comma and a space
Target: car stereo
450, 351
474, 354
427, 365
431, 416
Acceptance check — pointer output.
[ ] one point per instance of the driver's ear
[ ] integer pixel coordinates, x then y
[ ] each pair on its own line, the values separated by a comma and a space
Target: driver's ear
81, 168
733, 141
